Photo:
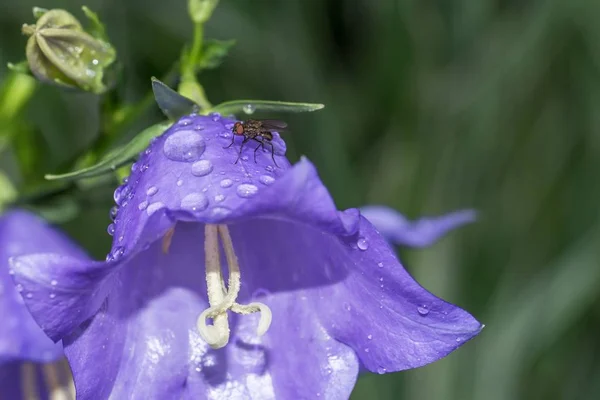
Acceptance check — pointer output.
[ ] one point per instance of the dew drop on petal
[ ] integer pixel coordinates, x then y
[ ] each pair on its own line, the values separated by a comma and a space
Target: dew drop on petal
381, 370
113, 212
54, 282
219, 198
184, 146
152, 190
423, 310
246, 190
202, 168
29, 295
179, 182
152, 208
111, 229
143, 205
220, 212
249, 109
380, 265
19, 287
225, 183
362, 244
52, 295
194, 202
266, 179
115, 254
370, 337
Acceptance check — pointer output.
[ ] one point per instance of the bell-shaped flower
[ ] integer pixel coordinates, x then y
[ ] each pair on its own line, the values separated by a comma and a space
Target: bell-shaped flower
32, 366
398, 230
234, 278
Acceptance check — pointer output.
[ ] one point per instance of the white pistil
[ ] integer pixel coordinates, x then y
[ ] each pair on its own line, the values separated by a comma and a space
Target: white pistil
55, 389
223, 298
28, 381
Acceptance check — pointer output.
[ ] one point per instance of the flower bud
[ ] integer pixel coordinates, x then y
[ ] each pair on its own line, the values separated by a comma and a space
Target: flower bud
59, 51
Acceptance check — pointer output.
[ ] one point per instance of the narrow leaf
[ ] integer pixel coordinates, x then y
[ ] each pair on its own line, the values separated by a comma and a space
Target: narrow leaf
214, 52
171, 103
251, 106
117, 157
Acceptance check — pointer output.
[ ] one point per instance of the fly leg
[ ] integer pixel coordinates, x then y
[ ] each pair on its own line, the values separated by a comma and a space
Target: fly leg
241, 147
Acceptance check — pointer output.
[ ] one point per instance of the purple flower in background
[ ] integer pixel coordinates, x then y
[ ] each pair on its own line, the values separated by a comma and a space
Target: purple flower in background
31, 365
420, 233
234, 280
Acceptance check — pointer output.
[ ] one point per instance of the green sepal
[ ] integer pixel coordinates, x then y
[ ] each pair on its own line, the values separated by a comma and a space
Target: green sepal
214, 52
117, 157
171, 103
200, 11
251, 106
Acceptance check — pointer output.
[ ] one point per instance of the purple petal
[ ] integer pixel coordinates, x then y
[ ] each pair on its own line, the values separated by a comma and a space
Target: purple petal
420, 233
309, 262
26, 380
20, 335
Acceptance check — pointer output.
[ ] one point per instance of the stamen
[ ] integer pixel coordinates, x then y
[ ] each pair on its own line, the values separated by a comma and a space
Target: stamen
55, 389
223, 298
29, 381
166, 242
64, 364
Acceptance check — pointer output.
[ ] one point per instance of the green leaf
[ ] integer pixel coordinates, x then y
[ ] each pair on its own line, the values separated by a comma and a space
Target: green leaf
116, 157
20, 67
57, 210
97, 29
171, 103
214, 52
201, 10
251, 106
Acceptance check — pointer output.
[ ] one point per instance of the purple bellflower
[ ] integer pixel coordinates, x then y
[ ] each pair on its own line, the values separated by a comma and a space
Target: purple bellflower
32, 366
420, 233
234, 280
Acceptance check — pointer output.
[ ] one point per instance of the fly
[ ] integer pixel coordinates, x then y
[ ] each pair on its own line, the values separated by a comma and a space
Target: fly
260, 131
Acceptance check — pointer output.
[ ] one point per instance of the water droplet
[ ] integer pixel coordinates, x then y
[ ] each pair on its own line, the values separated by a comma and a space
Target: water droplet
52, 295
134, 167
245, 158
194, 202
113, 212
423, 310
458, 339
370, 337
143, 205
179, 182
152, 190
19, 287
215, 116
246, 190
362, 244
152, 208
381, 370
266, 179
380, 265
143, 167
249, 109
225, 183
125, 180
185, 121
115, 254
148, 151
111, 229
29, 295
184, 146
54, 282
348, 307
366, 349
219, 198
269, 168
202, 167
220, 212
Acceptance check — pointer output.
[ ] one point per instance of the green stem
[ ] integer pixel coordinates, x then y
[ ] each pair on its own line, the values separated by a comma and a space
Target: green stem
189, 85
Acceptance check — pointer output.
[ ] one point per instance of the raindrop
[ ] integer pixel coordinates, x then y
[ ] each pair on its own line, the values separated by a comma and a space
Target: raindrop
194, 202
220, 212
202, 167
366, 349
134, 167
225, 183
52, 295
380, 265
362, 244
144, 167
458, 339
269, 168
266, 179
246, 190
370, 337
219, 198
152, 190
125, 180
19, 288
111, 229
381, 370
152, 208
215, 116
143, 205
29, 295
249, 109
423, 310
113, 212
54, 282
245, 158
348, 307
184, 146
148, 151
115, 254
179, 182
185, 121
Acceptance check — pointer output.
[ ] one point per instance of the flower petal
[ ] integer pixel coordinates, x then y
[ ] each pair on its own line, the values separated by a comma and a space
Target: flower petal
388, 319
420, 233
20, 336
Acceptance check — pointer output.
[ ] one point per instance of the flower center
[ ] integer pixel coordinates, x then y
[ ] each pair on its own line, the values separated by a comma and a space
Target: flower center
223, 298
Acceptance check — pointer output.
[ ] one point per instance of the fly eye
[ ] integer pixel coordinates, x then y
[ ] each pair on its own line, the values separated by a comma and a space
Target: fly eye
239, 129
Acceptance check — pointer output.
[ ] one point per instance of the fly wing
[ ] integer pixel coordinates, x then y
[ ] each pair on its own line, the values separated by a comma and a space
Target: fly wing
273, 124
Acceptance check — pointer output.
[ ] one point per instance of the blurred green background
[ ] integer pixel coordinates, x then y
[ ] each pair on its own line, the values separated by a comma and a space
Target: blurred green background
431, 106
